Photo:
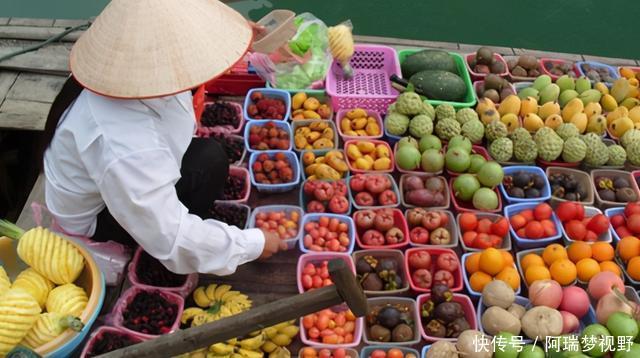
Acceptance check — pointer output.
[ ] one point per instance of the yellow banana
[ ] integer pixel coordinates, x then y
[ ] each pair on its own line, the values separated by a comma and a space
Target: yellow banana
227, 295
222, 348
270, 332
253, 343
269, 347
280, 352
221, 290
211, 291
249, 353
200, 297
189, 313
200, 319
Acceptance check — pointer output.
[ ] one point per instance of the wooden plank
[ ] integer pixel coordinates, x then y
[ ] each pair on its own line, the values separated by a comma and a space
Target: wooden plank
468, 48
405, 42
36, 33
4, 20
7, 79
611, 61
15, 114
26, 21
538, 53
53, 59
36, 87
25, 220
68, 22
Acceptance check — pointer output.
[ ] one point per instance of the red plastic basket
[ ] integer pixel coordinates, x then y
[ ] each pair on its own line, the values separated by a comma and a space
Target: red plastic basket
370, 86
398, 222
475, 76
434, 252
463, 207
544, 61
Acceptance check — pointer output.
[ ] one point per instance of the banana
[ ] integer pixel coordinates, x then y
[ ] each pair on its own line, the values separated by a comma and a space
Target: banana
228, 295
189, 313
200, 297
221, 290
282, 325
269, 347
270, 332
222, 348
280, 352
200, 319
253, 343
211, 291
249, 353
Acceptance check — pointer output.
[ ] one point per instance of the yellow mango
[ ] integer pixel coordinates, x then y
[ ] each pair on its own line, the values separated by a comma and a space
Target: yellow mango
311, 104
310, 169
363, 164
511, 104
489, 116
511, 121
382, 151
300, 141
580, 120
311, 115
350, 133
372, 129
345, 125
353, 152
532, 122
320, 160
621, 125
617, 113
484, 104
528, 105
337, 164
620, 89
297, 100
369, 158
361, 133
356, 113
324, 171
548, 109
602, 88
366, 147
308, 158
359, 123
308, 147
371, 120
634, 114
312, 137
553, 121
302, 130
312, 177
627, 73
608, 102
318, 125
574, 106
323, 143
328, 133
630, 103
297, 112
592, 108
382, 164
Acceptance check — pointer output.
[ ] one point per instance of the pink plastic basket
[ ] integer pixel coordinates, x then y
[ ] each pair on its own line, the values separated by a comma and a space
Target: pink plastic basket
316, 258
231, 129
544, 61
467, 307
317, 343
475, 76
399, 222
190, 281
458, 283
370, 86
343, 113
87, 351
244, 173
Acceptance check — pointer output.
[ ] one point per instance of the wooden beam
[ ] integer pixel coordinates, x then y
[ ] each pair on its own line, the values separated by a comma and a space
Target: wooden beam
7, 79
29, 115
611, 61
4, 20
68, 22
26, 21
36, 87
36, 33
405, 42
53, 59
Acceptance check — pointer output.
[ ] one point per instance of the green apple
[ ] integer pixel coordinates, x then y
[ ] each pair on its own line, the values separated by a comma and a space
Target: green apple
596, 334
505, 346
621, 324
633, 352
531, 351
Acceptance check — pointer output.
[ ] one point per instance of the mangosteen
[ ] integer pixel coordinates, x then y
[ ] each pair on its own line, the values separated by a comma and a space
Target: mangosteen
379, 333
389, 317
538, 182
626, 195
606, 194
522, 180
581, 190
393, 282
440, 293
387, 265
448, 312
362, 266
456, 327
558, 191
532, 193
516, 192
519, 71
402, 333
620, 183
371, 282
426, 311
570, 183
555, 179
572, 197
435, 328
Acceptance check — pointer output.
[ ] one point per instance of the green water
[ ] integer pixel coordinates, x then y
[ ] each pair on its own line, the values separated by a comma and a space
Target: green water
596, 27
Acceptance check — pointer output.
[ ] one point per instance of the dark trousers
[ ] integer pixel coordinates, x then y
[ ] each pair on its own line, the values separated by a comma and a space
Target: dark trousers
204, 173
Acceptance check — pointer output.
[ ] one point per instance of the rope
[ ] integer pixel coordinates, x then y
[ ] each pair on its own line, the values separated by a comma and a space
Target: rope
46, 42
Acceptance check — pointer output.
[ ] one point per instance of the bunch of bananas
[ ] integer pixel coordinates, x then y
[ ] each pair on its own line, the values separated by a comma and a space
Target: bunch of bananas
214, 302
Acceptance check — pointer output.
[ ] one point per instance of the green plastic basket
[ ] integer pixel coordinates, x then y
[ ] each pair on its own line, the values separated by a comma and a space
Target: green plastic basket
469, 98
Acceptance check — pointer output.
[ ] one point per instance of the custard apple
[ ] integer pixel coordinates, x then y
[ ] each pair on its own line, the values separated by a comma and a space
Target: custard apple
444, 111
466, 115
447, 128
501, 149
617, 155
495, 130
549, 144
574, 150
420, 126
525, 151
591, 139
520, 134
630, 136
567, 130
597, 153
409, 103
544, 132
633, 152
474, 130
428, 110
396, 123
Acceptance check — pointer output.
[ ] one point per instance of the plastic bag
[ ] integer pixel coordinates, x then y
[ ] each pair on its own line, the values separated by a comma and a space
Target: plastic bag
303, 62
111, 257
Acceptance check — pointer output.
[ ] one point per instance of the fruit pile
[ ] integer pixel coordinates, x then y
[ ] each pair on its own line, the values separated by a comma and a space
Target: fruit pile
230, 214
305, 107
524, 184
221, 113
366, 155
330, 166
378, 228
369, 190
578, 226
315, 275
391, 353
524, 66
317, 134
330, 327
150, 313
235, 187
327, 234
484, 232
424, 191
628, 222
467, 187
568, 187
108, 341
391, 323
379, 274
559, 68
409, 114
427, 270
214, 302
358, 123
280, 222
263, 107
323, 196
428, 227
597, 73
628, 251
591, 259
489, 265
268, 137
441, 316
272, 169
534, 224
495, 88
615, 188
426, 156
151, 272
309, 352
485, 61
554, 263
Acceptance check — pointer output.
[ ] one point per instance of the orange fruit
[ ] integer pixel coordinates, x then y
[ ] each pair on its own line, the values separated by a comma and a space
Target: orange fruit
610, 266
587, 268
531, 260
510, 276
478, 280
602, 251
535, 273
563, 271
491, 261
579, 250
507, 258
472, 264
554, 252
628, 248
633, 268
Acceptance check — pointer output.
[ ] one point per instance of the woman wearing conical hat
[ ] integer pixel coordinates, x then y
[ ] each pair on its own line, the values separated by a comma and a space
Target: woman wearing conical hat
120, 159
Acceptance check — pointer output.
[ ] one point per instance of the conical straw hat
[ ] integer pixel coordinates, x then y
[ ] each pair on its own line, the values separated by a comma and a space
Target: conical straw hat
153, 48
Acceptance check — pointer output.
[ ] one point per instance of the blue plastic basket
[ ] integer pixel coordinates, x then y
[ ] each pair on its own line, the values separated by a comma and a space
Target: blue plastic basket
280, 124
343, 218
304, 201
524, 243
291, 243
613, 72
589, 211
318, 152
367, 350
425, 349
276, 188
269, 93
506, 241
390, 138
465, 276
520, 254
545, 193
609, 213
394, 187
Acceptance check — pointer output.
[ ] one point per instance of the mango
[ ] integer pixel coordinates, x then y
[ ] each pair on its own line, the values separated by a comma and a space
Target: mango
553, 121
363, 164
580, 121
634, 83
574, 106
353, 152
589, 96
356, 113
597, 124
602, 88
511, 104
566, 83
311, 104
484, 104
324, 111
312, 136
567, 96
311, 115
337, 164
634, 114
297, 100
532, 122
345, 125
511, 121
382, 151
323, 171
350, 133
310, 169
302, 131
323, 143
549, 93
372, 129
620, 126
592, 109
620, 89
529, 92
358, 123
583, 84
328, 133
318, 125
548, 109
627, 73
361, 133
528, 105
619, 112
300, 141
608, 103
320, 160
382, 164
369, 158
541, 82
308, 158
489, 116
630, 103
371, 120
366, 147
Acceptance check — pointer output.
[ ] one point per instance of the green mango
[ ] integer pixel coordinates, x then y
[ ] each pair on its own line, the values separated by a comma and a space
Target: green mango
529, 92
541, 82
549, 94
567, 96
590, 95
583, 84
566, 83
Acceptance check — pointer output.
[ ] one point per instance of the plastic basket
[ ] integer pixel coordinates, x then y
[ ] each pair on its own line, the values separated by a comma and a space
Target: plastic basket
318, 153
280, 28
480, 76
231, 129
357, 333
350, 352
545, 193
475, 149
244, 173
376, 142
589, 211
237, 138
243, 206
320, 95
467, 307
477, 85
311, 92
434, 252
462, 206
269, 93
609, 213
398, 222
469, 99
613, 72
304, 200
288, 209
314, 217
506, 242
190, 281
276, 188
415, 172
316, 258
304, 122
513, 78
629, 292
524, 243
447, 197
625, 273
520, 256
394, 187
343, 113
261, 123
398, 257
451, 227
367, 350
544, 61
581, 177
413, 313
98, 334
369, 87
605, 204
465, 276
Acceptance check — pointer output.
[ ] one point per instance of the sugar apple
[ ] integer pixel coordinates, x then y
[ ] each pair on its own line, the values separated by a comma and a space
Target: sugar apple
420, 126
597, 153
525, 151
549, 144
591, 139
574, 150
520, 134
617, 155
495, 130
428, 110
567, 130
474, 130
445, 111
447, 128
501, 149
630, 136
396, 123
465, 115
633, 152
409, 103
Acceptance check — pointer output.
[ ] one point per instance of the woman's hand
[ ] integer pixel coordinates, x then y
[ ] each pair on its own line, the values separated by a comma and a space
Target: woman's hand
257, 29
272, 244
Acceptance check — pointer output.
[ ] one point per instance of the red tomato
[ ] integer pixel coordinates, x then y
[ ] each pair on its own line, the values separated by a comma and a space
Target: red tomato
419, 235
617, 221
518, 222
521, 232
579, 211
632, 208
591, 236
431, 220
339, 353
395, 353
534, 230
599, 224
542, 211
315, 206
420, 260
422, 278
468, 221
447, 261
549, 228
307, 282
309, 321
566, 211
575, 230
496, 241
388, 197
633, 223
364, 199
339, 204
339, 187
482, 241
378, 353
444, 277
468, 238
317, 282
528, 215
622, 231
324, 353
357, 182
373, 238
500, 227
375, 184
484, 226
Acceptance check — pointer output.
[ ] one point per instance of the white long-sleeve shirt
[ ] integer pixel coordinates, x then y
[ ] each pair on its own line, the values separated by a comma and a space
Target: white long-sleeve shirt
126, 154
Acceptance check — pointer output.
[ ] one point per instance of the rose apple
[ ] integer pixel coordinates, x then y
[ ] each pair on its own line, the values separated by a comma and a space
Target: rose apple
365, 219
357, 182
422, 278
420, 260
339, 204
431, 220
364, 199
394, 236
315, 206
388, 197
443, 277
383, 221
339, 187
414, 216
373, 238
447, 261
440, 236
419, 235
375, 184
323, 191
